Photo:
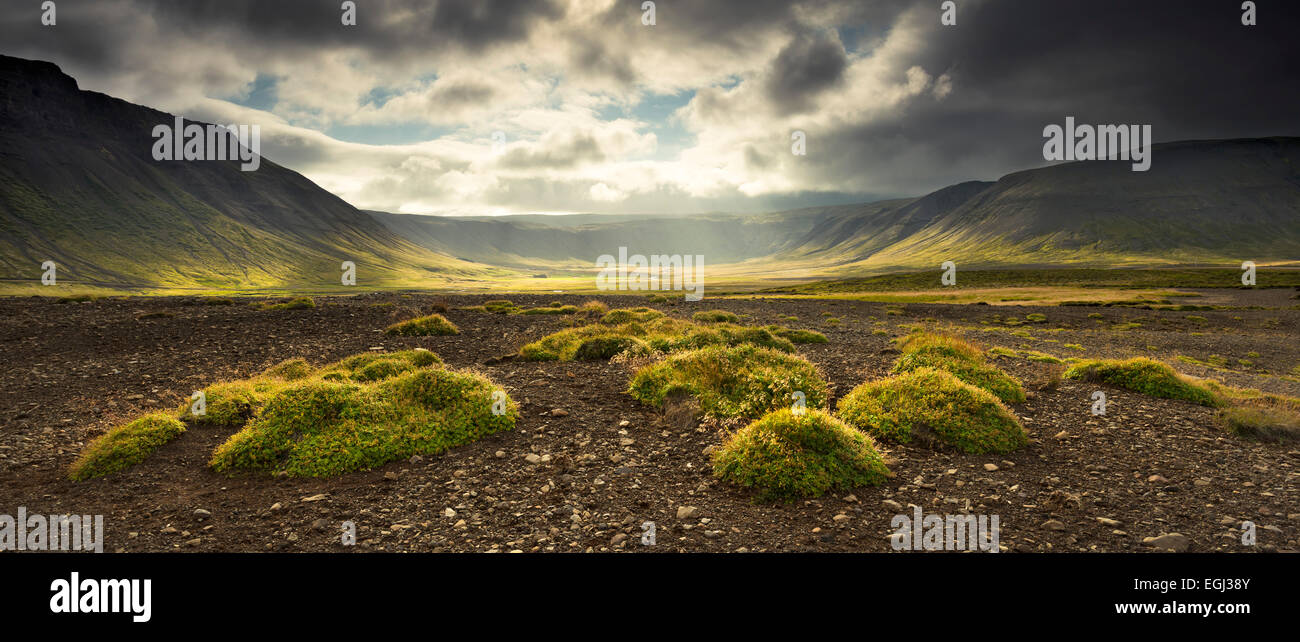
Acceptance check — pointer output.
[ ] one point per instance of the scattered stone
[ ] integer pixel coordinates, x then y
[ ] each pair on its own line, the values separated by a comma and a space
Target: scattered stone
202, 513
1054, 525
686, 512
1176, 542
1106, 521
559, 412
990, 467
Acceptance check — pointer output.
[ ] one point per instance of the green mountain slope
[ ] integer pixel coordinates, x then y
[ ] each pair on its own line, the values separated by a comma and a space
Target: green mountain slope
1201, 202
79, 186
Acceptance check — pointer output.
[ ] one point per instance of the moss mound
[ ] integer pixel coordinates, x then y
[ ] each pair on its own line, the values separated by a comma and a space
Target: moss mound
290, 370
933, 406
1145, 376
784, 456
659, 334
629, 315
962, 359
433, 325
797, 336
738, 381
321, 428
231, 403
715, 316
553, 309
299, 303
125, 446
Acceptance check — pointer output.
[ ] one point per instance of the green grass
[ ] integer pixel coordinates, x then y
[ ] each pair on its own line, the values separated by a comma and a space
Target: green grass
630, 315
740, 381
786, 456
1277, 423
659, 334
933, 407
962, 359
323, 428
1135, 278
553, 309
432, 325
797, 336
715, 316
1143, 375
125, 446
297, 303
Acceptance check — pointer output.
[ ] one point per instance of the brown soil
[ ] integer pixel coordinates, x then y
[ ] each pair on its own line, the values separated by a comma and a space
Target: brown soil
74, 370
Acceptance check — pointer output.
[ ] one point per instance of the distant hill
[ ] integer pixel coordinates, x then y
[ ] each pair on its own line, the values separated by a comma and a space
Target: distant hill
1201, 202
79, 186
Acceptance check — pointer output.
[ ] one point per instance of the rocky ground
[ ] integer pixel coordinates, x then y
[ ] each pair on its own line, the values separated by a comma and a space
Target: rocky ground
587, 466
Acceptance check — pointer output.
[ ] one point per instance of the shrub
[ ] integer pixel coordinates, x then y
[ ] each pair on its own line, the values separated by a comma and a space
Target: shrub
960, 358
715, 316
321, 428
1262, 422
784, 456
1145, 376
738, 381
125, 446
432, 325
933, 406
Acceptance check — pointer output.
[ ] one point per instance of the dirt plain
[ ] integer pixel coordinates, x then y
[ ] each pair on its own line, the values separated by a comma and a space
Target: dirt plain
609, 464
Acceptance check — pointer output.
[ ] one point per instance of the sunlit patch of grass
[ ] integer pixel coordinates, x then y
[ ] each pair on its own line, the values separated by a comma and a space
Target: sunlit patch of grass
786, 456
715, 316
933, 407
962, 359
297, 303
1143, 375
659, 334
554, 309
797, 336
629, 315
432, 325
290, 370
125, 446
739, 381
322, 428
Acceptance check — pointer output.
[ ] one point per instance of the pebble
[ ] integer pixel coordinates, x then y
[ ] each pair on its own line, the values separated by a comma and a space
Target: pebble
201, 513
686, 512
1176, 542
990, 467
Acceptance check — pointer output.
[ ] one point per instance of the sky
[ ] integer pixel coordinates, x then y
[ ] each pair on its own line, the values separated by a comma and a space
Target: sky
473, 107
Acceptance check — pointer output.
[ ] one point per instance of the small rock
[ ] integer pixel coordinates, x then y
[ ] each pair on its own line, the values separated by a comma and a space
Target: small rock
618, 538
450, 512
533, 458
990, 467
1176, 542
559, 412
1106, 521
202, 513
1054, 525
889, 503
686, 512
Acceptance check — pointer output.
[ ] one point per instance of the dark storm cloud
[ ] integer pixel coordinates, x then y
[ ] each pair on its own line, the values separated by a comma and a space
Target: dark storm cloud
1190, 69
809, 65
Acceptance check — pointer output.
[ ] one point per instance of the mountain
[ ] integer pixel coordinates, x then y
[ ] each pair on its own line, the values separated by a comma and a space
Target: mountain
79, 186
1200, 202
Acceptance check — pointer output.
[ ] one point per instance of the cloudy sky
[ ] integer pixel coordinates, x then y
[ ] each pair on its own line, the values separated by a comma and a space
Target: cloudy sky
499, 106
